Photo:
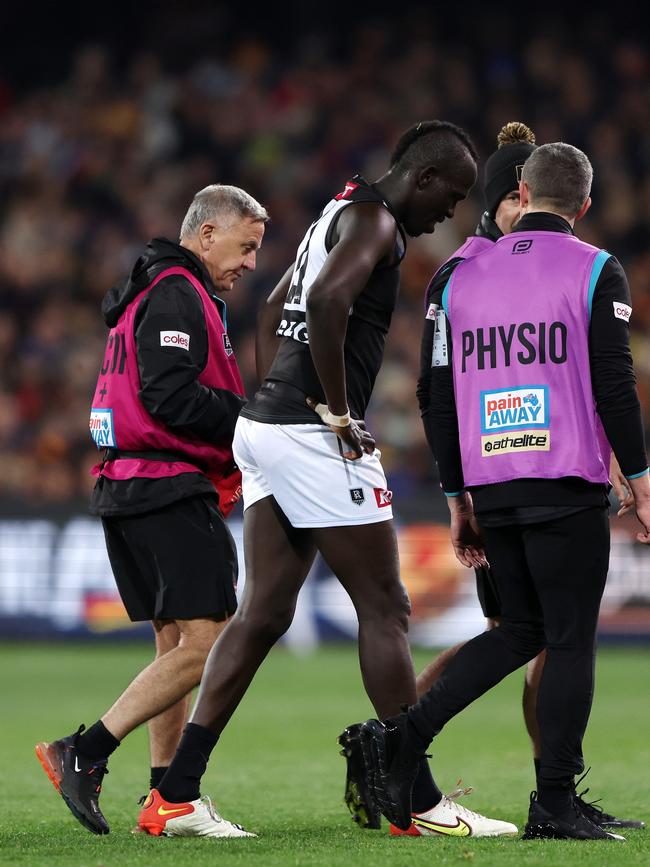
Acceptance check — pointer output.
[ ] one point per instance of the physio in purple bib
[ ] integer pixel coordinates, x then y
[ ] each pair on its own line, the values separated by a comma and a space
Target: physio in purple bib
502, 175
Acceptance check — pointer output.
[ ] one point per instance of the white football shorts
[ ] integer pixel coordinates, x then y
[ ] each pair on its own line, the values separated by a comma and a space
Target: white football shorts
301, 465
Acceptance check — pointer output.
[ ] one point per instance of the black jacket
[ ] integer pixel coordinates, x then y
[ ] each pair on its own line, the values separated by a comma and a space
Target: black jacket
169, 387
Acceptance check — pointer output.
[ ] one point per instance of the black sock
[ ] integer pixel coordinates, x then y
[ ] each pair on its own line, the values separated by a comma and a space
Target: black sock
157, 773
555, 799
97, 743
182, 782
426, 793
537, 764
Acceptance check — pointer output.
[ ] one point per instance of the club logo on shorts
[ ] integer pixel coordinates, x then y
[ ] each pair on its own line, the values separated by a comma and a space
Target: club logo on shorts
515, 420
227, 345
383, 497
357, 496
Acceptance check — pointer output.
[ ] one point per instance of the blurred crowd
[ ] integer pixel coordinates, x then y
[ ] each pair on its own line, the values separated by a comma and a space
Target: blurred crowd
94, 164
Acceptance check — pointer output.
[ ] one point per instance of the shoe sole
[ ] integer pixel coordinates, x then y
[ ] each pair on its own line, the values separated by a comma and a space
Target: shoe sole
150, 829
546, 831
43, 754
622, 823
376, 761
358, 797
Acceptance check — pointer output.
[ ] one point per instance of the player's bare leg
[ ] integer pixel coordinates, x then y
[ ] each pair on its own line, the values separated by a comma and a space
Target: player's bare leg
365, 559
166, 680
278, 559
165, 729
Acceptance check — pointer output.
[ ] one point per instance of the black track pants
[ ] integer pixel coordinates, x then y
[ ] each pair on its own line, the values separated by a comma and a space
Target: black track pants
550, 579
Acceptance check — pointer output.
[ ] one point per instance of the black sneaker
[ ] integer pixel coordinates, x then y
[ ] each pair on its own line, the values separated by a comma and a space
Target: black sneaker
76, 779
358, 797
392, 765
570, 825
592, 810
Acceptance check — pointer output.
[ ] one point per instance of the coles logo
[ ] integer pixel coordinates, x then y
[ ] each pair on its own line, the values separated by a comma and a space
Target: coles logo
622, 311
383, 497
175, 338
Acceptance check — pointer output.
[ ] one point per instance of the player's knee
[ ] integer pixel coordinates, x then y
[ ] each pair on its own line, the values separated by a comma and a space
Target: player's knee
269, 625
198, 639
402, 609
392, 606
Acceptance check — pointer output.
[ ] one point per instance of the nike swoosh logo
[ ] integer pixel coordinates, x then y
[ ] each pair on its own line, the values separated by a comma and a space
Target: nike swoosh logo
460, 829
76, 764
163, 812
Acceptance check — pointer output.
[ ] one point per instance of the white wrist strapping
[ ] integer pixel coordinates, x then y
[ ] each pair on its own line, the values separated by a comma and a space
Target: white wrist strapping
329, 418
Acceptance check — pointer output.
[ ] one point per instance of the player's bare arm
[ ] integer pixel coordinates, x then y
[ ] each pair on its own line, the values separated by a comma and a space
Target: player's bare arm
365, 235
268, 318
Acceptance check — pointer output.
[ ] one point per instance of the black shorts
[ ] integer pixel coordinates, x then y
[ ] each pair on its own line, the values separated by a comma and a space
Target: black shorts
176, 563
487, 592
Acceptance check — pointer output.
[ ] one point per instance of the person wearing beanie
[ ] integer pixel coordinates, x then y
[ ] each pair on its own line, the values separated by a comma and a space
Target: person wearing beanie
516, 142
502, 174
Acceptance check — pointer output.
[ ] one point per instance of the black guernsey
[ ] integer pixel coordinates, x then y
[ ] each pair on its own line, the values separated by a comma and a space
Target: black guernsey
293, 377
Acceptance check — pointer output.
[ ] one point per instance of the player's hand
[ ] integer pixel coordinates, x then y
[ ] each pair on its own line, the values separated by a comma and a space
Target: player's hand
465, 533
621, 487
354, 435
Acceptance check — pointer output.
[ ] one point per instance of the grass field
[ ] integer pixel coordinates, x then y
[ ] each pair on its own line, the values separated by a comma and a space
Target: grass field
276, 769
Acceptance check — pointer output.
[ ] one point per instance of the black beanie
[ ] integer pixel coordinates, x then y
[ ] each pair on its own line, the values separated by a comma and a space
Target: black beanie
503, 172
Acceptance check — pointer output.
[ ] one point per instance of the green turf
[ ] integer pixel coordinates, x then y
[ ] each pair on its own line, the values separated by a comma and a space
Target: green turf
277, 771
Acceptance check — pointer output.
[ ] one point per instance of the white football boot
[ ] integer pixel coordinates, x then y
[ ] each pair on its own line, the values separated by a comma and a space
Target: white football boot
450, 819
189, 819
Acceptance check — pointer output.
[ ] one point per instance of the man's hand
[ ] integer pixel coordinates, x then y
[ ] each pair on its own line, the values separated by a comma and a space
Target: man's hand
621, 487
641, 491
643, 514
465, 534
353, 434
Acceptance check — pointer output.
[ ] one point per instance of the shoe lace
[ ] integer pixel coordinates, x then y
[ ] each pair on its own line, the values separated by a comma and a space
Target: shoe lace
459, 792
97, 773
579, 796
210, 807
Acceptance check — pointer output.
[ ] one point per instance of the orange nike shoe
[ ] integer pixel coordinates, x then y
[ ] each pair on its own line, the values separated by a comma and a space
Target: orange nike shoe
77, 779
189, 819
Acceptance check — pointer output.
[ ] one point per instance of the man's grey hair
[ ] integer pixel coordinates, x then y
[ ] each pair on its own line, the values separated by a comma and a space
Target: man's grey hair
558, 175
223, 205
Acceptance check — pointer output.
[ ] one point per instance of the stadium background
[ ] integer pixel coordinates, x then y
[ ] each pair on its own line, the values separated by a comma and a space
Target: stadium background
107, 127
